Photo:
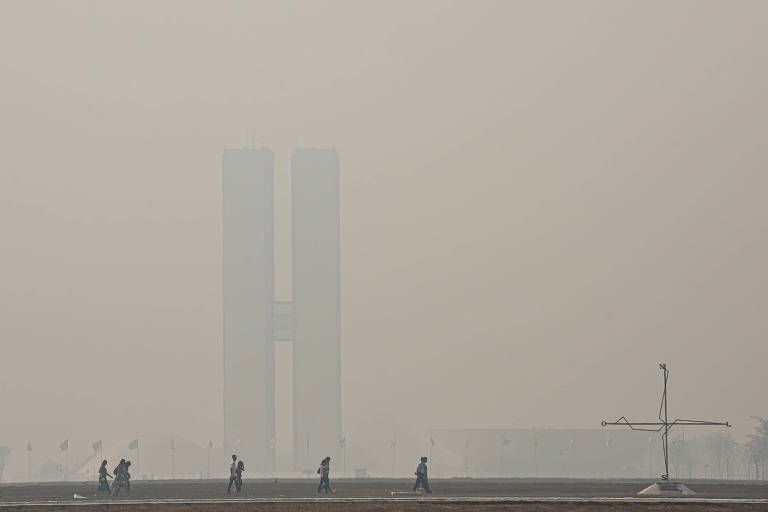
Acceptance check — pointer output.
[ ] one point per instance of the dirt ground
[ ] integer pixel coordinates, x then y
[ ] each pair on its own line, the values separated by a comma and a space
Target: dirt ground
377, 488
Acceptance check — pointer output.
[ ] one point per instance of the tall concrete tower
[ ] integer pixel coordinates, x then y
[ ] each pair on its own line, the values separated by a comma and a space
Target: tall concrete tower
253, 320
317, 306
249, 295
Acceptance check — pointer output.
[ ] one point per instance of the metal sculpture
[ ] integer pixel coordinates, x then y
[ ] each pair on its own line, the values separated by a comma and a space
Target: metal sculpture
664, 424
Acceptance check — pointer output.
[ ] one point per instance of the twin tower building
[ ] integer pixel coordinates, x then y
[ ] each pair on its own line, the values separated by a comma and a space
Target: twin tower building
254, 320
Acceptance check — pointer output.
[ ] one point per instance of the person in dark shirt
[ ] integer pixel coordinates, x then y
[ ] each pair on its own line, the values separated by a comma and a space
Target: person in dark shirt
422, 480
323, 471
122, 478
239, 476
103, 476
118, 471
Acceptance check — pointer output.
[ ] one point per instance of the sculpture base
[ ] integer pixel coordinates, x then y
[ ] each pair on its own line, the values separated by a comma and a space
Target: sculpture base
667, 489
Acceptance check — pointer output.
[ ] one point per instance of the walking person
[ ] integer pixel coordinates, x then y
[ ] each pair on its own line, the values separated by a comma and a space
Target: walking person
119, 467
232, 474
103, 475
422, 480
239, 476
117, 472
127, 477
122, 478
323, 471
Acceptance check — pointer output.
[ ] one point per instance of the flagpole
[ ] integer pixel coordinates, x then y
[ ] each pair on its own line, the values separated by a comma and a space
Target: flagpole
501, 459
394, 447
29, 460
466, 458
173, 461
67, 459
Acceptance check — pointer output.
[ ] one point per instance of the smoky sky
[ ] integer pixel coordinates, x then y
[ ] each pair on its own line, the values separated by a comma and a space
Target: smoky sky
540, 201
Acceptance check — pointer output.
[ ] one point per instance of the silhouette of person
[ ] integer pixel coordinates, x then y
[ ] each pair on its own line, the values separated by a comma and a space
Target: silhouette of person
239, 476
103, 475
232, 474
422, 480
323, 471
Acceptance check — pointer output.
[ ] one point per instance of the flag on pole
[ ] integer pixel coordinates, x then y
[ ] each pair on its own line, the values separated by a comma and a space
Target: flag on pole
432, 441
343, 442
133, 445
272, 444
97, 445
64, 446
172, 448
505, 441
394, 443
209, 444
29, 446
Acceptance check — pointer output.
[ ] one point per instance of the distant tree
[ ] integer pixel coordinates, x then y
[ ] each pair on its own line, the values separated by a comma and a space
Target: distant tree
723, 449
757, 448
4, 453
744, 464
682, 457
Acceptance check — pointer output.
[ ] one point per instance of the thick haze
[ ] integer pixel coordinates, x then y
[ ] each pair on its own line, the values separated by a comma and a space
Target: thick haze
540, 202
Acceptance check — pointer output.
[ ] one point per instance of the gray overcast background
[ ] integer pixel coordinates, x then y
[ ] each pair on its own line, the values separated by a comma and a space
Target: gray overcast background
540, 202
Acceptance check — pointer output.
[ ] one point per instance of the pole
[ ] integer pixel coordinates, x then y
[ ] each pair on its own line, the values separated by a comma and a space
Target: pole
394, 449
138, 460
29, 462
665, 476
466, 459
67, 460
208, 471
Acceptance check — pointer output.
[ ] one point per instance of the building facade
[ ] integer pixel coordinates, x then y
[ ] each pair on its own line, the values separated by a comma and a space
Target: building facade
254, 320
248, 301
317, 306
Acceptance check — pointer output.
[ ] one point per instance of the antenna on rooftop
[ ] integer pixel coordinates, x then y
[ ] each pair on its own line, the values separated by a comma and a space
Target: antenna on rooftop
664, 425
